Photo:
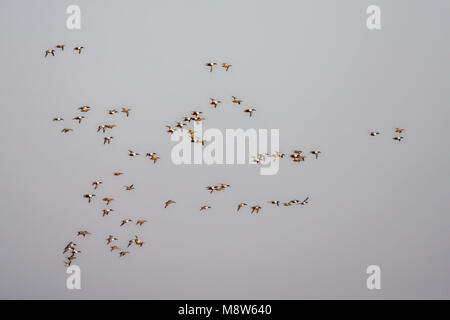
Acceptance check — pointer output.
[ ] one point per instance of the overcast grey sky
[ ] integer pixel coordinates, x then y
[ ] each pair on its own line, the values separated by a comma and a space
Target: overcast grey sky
311, 69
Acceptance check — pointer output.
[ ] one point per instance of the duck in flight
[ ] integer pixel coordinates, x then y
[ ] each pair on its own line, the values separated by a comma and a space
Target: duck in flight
316, 153
47, 52
250, 111
107, 140
125, 221
126, 111
168, 202
240, 205
236, 100
84, 108
111, 239
304, 202
108, 200
89, 197
107, 211
256, 208
214, 102
226, 66
211, 65
141, 222
78, 49
79, 118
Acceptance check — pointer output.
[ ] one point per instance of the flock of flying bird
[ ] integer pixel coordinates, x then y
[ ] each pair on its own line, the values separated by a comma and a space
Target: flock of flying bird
61, 46
195, 116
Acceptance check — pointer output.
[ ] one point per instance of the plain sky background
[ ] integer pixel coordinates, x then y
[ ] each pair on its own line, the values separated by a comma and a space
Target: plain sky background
311, 69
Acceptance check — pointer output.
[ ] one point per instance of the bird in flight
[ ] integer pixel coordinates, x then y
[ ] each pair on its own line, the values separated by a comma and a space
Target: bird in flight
251, 110
398, 130
275, 202
47, 52
138, 241
236, 100
78, 49
168, 202
316, 153
199, 119
69, 246
170, 129
179, 125
117, 173
256, 208
298, 156
240, 205
58, 119
214, 102
108, 200
278, 155
153, 157
122, 253
204, 208
126, 111
125, 221
79, 118
130, 187
65, 130
226, 66
132, 153
374, 133
130, 242
112, 111
107, 211
115, 248
60, 46
305, 201
110, 239
141, 222
83, 233
89, 196
399, 138
210, 65
107, 140
71, 257
84, 108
